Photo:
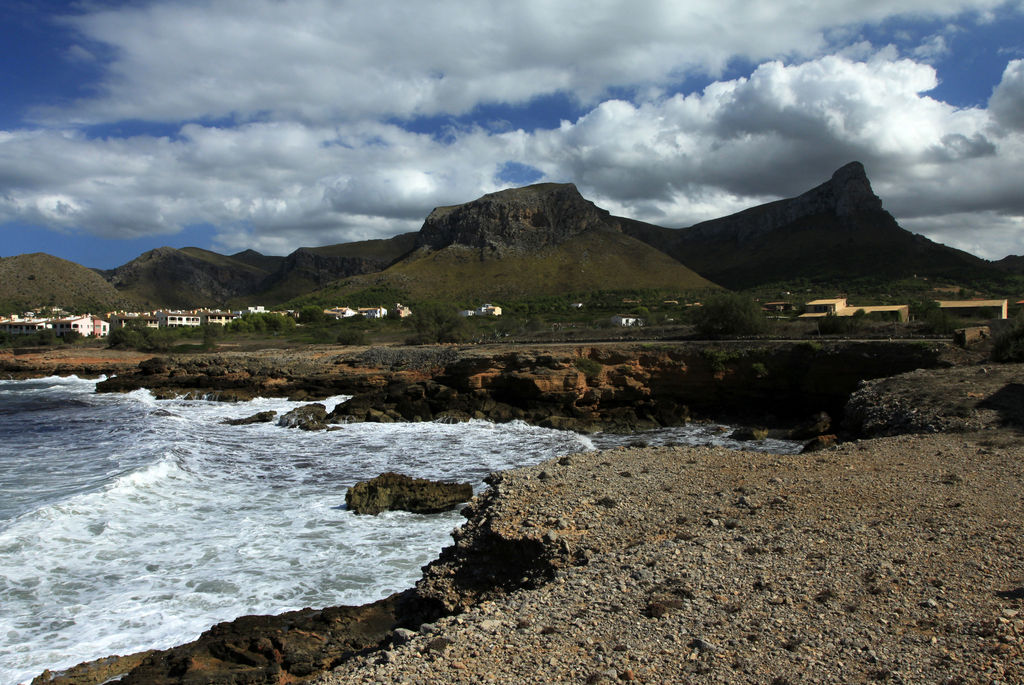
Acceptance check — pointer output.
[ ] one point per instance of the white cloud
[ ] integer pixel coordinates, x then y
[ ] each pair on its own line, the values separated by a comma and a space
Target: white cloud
310, 161
317, 60
1007, 101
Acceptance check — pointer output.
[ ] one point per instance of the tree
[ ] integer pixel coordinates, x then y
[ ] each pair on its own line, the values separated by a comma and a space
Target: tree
311, 314
730, 314
436, 323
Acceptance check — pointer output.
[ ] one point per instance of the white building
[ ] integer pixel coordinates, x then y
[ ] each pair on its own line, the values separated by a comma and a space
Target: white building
178, 319
488, 310
374, 312
87, 326
626, 320
217, 317
341, 312
22, 326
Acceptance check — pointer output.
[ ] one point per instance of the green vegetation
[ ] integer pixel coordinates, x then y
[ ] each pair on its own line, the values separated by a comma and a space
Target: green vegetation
434, 322
730, 314
719, 359
1008, 344
588, 367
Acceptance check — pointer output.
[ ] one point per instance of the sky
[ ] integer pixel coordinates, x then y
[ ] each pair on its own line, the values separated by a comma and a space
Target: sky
275, 124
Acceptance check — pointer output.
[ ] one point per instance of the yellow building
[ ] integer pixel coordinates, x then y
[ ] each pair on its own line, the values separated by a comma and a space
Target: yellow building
838, 307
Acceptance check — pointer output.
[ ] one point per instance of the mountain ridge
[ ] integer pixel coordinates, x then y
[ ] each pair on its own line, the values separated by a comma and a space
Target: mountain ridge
546, 238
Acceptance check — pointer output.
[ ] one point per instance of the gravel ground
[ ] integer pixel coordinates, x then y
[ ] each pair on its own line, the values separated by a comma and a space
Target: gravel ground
895, 559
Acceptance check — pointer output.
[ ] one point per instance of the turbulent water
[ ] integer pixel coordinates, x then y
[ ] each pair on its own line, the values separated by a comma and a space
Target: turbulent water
128, 523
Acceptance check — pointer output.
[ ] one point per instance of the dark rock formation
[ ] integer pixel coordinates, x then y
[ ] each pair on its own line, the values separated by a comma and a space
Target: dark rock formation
514, 220
394, 491
102, 670
287, 648
261, 417
846, 194
835, 232
310, 417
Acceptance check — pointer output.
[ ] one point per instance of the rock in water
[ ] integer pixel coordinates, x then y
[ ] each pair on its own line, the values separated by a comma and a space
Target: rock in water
310, 417
261, 417
390, 491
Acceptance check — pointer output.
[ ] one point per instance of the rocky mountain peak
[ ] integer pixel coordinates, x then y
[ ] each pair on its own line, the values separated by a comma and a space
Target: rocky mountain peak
848, 193
514, 220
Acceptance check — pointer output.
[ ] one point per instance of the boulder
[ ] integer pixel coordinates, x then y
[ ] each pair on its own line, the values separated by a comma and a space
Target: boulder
309, 417
261, 417
390, 491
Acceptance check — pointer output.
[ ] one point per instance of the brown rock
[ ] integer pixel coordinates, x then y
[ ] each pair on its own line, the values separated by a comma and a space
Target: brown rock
391, 491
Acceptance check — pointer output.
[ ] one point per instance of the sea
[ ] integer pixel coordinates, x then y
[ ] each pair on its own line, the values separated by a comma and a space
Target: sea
129, 523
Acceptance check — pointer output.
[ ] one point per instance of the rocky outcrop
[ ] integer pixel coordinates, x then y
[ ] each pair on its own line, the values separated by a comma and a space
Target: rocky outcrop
955, 400
310, 417
844, 195
259, 417
282, 649
395, 491
515, 220
104, 670
622, 387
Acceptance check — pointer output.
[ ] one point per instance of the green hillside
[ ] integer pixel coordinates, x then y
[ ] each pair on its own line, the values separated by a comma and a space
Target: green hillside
597, 260
31, 281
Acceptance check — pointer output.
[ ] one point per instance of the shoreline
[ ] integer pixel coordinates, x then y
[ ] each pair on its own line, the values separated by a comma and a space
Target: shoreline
681, 534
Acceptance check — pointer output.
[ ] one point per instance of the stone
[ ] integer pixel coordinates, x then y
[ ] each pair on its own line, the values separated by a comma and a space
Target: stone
394, 491
261, 417
308, 417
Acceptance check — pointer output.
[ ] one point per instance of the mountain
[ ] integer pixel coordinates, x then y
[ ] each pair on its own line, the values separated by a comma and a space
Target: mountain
542, 239
1013, 264
189, 277
309, 268
836, 233
30, 281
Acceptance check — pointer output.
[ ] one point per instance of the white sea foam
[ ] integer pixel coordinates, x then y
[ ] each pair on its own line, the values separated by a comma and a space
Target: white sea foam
136, 523
183, 522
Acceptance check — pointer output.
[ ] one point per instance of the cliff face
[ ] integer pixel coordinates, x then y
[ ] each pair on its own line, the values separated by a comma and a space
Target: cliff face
836, 233
619, 387
847, 194
517, 220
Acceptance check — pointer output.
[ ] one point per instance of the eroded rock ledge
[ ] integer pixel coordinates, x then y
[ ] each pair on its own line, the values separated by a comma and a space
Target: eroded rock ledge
582, 387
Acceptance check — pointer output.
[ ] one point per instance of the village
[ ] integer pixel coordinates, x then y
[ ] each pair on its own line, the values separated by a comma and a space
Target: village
63, 324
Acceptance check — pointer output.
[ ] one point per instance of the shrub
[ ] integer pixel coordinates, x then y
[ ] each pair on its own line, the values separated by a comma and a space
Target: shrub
351, 336
730, 314
1008, 344
588, 367
436, 323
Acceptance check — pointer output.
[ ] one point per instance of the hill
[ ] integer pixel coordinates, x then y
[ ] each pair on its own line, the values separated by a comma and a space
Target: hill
538, 240
309, 268
1013, 264
189, 277
31, 281
836, 233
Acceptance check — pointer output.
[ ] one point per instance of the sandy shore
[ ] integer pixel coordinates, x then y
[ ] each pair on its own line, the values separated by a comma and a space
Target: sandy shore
888, 560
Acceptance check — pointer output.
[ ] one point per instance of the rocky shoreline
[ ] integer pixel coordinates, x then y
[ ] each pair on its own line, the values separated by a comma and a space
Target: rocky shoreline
615, 386
879, 559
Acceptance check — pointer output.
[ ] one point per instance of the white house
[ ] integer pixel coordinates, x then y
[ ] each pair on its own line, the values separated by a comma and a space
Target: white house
341, 312
217, 317
488, 310
22, 326
86, 326
374, 312
627, 320
178, 319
